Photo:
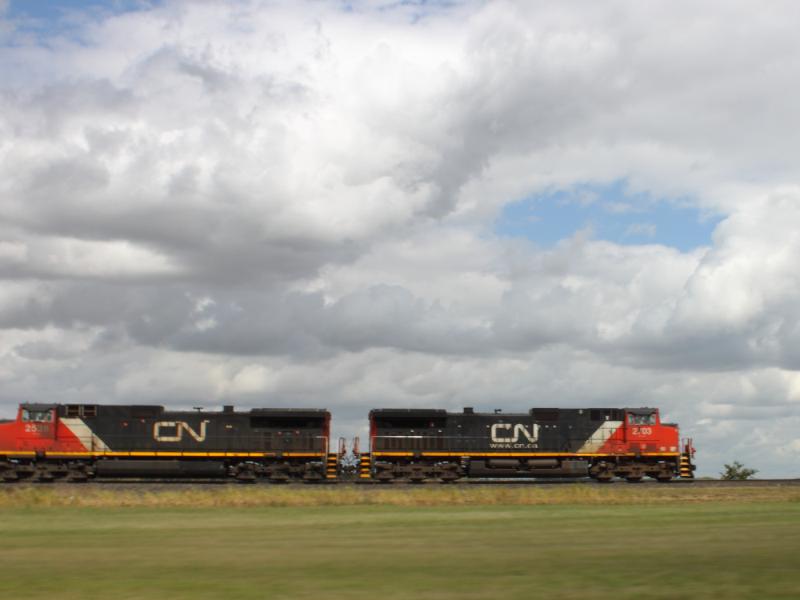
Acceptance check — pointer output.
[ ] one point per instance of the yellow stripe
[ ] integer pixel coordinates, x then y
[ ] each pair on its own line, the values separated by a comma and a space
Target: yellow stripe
138, 454
303, 454
391, 454
170, 454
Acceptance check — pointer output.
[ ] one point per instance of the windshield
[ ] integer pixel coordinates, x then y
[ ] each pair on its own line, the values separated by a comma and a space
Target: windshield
645, 419
37, 415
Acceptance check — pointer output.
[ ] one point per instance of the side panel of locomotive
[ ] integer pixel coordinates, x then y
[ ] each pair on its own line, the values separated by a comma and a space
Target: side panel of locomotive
81, 441
545, 442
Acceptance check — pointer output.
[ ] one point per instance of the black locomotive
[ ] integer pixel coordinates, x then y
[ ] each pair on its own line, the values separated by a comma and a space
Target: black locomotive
603, 443
77, 442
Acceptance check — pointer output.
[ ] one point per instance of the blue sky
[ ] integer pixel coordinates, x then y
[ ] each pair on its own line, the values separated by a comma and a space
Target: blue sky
51, 9
610, 212
51, 16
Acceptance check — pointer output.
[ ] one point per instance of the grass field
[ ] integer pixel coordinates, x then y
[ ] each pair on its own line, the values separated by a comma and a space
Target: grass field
486, 544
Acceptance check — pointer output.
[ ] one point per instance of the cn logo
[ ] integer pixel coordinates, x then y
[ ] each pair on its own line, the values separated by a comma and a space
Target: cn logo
506, 433
175, 431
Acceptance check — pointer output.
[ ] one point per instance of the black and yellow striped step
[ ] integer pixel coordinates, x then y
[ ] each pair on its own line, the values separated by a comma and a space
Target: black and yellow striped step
365, 466
332, 466
685, 467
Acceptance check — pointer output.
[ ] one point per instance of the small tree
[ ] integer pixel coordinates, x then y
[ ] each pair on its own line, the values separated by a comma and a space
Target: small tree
737, 472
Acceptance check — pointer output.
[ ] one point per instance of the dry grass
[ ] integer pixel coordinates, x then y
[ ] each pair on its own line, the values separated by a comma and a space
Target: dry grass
179, 496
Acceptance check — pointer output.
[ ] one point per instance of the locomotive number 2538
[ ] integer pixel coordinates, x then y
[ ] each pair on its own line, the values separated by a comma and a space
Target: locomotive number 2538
36, 428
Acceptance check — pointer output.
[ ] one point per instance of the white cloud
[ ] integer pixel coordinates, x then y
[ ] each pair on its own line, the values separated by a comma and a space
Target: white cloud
271, 202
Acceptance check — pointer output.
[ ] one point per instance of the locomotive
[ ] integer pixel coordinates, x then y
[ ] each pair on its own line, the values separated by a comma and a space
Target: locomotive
601, 443
79, 442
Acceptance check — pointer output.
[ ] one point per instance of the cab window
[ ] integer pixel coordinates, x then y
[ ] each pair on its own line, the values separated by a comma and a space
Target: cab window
39, 416
642, 419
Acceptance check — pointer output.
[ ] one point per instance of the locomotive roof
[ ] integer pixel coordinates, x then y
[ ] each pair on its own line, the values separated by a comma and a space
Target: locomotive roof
295, 412
155, 409
427, 412
409, 412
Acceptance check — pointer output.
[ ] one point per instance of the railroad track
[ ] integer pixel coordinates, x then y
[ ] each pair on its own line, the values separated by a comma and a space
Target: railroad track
200, 483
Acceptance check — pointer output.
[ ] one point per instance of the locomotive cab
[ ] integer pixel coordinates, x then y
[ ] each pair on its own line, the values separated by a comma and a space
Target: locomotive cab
643, 416
642, 423
38, 422
645, 431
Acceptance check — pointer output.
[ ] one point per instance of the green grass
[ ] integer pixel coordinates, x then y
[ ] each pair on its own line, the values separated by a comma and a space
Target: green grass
713, 549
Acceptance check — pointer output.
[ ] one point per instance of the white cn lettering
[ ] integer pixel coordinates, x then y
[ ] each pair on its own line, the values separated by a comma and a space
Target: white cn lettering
517, 431
179, 427
494, 432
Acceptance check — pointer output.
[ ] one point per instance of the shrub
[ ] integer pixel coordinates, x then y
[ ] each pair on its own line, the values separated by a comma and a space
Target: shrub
737, 472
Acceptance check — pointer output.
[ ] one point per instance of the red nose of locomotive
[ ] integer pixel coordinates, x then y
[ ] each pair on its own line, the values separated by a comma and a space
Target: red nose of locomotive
644, 432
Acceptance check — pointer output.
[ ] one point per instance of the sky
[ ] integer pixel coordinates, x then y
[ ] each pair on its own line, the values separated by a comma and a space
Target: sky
407, 204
